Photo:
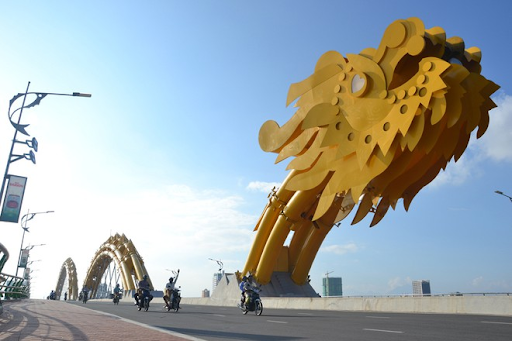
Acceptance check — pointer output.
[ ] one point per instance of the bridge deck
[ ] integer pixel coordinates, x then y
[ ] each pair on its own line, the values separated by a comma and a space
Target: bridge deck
56, 320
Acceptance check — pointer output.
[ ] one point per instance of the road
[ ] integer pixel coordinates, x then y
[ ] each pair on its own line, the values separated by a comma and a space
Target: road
228, 323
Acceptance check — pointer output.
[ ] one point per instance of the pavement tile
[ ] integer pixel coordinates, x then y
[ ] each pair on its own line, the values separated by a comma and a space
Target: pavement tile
30, 319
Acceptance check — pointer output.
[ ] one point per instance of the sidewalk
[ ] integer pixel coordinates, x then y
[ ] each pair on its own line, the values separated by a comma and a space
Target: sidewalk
54, 320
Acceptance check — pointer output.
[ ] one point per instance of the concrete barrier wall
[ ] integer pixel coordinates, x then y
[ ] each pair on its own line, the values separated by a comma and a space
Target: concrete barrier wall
479, 305
496, 304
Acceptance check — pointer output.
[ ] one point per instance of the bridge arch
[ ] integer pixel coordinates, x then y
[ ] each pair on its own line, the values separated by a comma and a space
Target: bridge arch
68, 270
118, 249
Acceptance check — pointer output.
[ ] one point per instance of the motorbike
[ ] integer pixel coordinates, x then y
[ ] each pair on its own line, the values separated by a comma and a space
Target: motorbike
117, 297
175, 302
252, 301
144, 299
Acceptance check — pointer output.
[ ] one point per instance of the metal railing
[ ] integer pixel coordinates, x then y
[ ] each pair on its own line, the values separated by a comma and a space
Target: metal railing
12, 287
427, 295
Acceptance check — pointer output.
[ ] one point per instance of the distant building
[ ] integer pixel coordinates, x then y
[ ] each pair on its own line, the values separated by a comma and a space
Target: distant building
205, 293
332, 286
421, 288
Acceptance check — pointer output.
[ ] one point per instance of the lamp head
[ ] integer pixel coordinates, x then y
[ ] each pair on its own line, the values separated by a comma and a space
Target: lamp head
33, 144
79, 94
30, 156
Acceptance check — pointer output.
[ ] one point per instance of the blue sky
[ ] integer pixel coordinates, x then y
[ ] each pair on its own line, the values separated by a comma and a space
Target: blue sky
166, 150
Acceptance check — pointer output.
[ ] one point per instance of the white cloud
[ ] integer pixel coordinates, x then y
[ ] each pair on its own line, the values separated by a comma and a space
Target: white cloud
195, 220
480, 284
340, 249
399, 282
477, 281
456, 173
495, 143
260, 186
174, 226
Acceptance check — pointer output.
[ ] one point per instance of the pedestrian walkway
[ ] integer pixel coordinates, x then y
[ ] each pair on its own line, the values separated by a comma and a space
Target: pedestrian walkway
55, 320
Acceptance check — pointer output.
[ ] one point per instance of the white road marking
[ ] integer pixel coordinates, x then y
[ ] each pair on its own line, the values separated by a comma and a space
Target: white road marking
496, 322
272, 321
378, 317
219, 315
384, 331
188, 337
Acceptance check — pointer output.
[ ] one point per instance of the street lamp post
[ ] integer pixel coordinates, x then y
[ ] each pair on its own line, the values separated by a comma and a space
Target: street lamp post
501, 193
22, 128
24, 220
33, 261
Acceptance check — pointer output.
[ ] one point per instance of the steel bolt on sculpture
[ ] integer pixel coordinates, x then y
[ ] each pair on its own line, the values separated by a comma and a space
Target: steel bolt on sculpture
370, 129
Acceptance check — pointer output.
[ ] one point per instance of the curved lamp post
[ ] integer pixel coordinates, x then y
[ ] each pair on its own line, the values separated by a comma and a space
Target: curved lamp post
21, 128
501, 193
24, 220
33, 261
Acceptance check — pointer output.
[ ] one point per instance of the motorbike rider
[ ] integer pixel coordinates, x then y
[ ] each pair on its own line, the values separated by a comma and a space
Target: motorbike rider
117, 290
169, 290
84, 293
144, 288
245, 285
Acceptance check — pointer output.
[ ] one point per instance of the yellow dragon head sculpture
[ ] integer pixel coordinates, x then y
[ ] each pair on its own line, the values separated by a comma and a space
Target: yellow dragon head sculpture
378, 126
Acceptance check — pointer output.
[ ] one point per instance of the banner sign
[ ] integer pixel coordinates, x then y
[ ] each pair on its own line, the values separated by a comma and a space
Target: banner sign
26, 273
23, 259
13, 199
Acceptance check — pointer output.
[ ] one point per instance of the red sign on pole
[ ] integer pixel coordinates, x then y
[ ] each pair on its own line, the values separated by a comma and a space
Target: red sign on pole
13, 199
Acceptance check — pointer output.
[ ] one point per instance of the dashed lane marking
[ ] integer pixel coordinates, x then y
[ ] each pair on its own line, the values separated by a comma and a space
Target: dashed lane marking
384, 331
378, 317
496, 322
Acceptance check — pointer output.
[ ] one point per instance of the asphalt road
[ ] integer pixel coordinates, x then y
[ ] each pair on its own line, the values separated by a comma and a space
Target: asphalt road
228, 323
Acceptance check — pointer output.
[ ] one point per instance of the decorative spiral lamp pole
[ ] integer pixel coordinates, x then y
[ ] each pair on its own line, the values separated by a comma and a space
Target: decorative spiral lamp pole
21, 128
24, 220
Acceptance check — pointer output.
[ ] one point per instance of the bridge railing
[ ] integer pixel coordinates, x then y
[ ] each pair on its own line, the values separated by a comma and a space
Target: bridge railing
13, 287
427, 295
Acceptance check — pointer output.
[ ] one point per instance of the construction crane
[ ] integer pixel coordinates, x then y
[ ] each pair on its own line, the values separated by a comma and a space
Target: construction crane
219, 263
326, 284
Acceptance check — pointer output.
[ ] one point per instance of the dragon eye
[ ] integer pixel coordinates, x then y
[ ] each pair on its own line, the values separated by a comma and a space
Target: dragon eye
359, 84
455, 61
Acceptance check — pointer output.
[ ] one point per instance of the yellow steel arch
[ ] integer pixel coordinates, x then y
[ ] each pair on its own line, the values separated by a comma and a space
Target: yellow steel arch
121, 250
370, 129
68, 270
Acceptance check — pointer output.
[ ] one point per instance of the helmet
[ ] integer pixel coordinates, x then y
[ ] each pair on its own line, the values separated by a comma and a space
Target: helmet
117, 284
171, 279
145, 277
244, 278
